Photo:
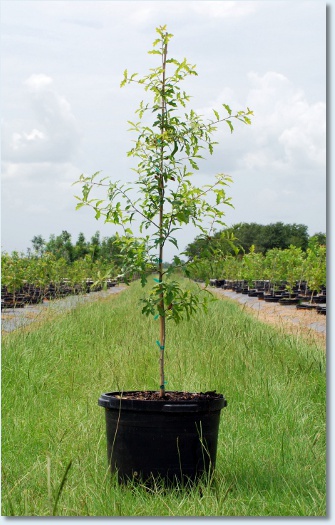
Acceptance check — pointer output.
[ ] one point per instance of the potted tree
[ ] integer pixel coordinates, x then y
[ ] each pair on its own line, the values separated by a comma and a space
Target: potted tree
292, 266
315, 272
161, 433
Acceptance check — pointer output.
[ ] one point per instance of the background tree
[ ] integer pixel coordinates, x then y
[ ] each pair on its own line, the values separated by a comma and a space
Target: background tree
218, 244
81, 247
318, 238
246, 235
38, 245
95, 246
61, 246
262, 237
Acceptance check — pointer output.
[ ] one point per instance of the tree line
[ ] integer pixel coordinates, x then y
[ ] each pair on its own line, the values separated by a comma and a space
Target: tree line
234, 240
243, 251
239, 238
62, 247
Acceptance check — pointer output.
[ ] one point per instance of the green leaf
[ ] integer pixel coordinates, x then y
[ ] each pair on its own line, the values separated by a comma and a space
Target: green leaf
173, 241
227, 108
216, 114
193, 164
230, 126
80, 205
175, 149
124, 81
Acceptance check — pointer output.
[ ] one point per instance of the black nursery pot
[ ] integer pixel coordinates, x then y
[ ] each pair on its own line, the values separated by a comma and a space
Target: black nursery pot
170, 440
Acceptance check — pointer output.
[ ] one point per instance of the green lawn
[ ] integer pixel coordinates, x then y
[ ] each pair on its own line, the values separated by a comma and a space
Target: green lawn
271, 452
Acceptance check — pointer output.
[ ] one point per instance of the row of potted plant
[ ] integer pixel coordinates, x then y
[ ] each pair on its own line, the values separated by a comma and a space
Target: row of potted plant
292, 269
29, 294
30, 279
269, 291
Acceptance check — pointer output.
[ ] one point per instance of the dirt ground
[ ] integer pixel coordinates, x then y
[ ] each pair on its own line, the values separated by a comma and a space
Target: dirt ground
307, 323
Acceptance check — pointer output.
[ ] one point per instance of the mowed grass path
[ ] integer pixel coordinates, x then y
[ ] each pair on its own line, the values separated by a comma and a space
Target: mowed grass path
271, 452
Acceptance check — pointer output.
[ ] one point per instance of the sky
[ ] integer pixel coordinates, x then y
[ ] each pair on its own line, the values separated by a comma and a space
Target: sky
64, 113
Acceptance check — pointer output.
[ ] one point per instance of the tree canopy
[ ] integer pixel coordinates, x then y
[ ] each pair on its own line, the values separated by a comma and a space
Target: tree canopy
241, 236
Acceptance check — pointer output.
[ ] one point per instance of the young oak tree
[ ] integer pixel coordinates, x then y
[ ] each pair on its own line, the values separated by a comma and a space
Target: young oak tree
168, 152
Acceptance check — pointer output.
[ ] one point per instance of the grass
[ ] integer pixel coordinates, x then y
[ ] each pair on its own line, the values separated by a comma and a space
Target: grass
271, 451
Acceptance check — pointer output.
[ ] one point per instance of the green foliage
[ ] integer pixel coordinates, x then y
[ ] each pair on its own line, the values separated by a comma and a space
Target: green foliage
318, 238
291, 265
179, 303
18, 269
171, 140
252, 266
262, 237
316, 274
13, 271
38, 244
61, 246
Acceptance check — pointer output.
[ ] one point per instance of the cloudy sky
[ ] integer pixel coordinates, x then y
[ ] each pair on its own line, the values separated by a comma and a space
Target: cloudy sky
63, 112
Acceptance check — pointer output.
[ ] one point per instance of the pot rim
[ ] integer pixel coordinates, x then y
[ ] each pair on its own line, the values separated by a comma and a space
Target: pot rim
115, 401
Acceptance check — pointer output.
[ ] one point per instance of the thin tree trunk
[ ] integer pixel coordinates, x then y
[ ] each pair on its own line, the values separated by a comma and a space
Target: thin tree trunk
161, 244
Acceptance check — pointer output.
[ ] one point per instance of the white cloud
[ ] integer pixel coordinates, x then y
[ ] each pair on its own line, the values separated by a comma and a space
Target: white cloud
306, 137
37, 83
19, 139
278, 164
55, 135
288, 131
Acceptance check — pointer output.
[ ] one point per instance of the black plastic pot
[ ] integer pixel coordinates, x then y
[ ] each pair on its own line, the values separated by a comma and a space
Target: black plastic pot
219, 283
253, 293
321, 310
171, 440
319, 299
288, 301
306, 306
272, 298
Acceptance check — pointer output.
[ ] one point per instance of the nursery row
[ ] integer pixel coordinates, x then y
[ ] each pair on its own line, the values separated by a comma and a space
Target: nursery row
31, 279
291, 269
31, 294
299, 295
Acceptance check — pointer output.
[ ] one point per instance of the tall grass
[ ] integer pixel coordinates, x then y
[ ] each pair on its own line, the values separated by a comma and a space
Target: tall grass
271, 451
